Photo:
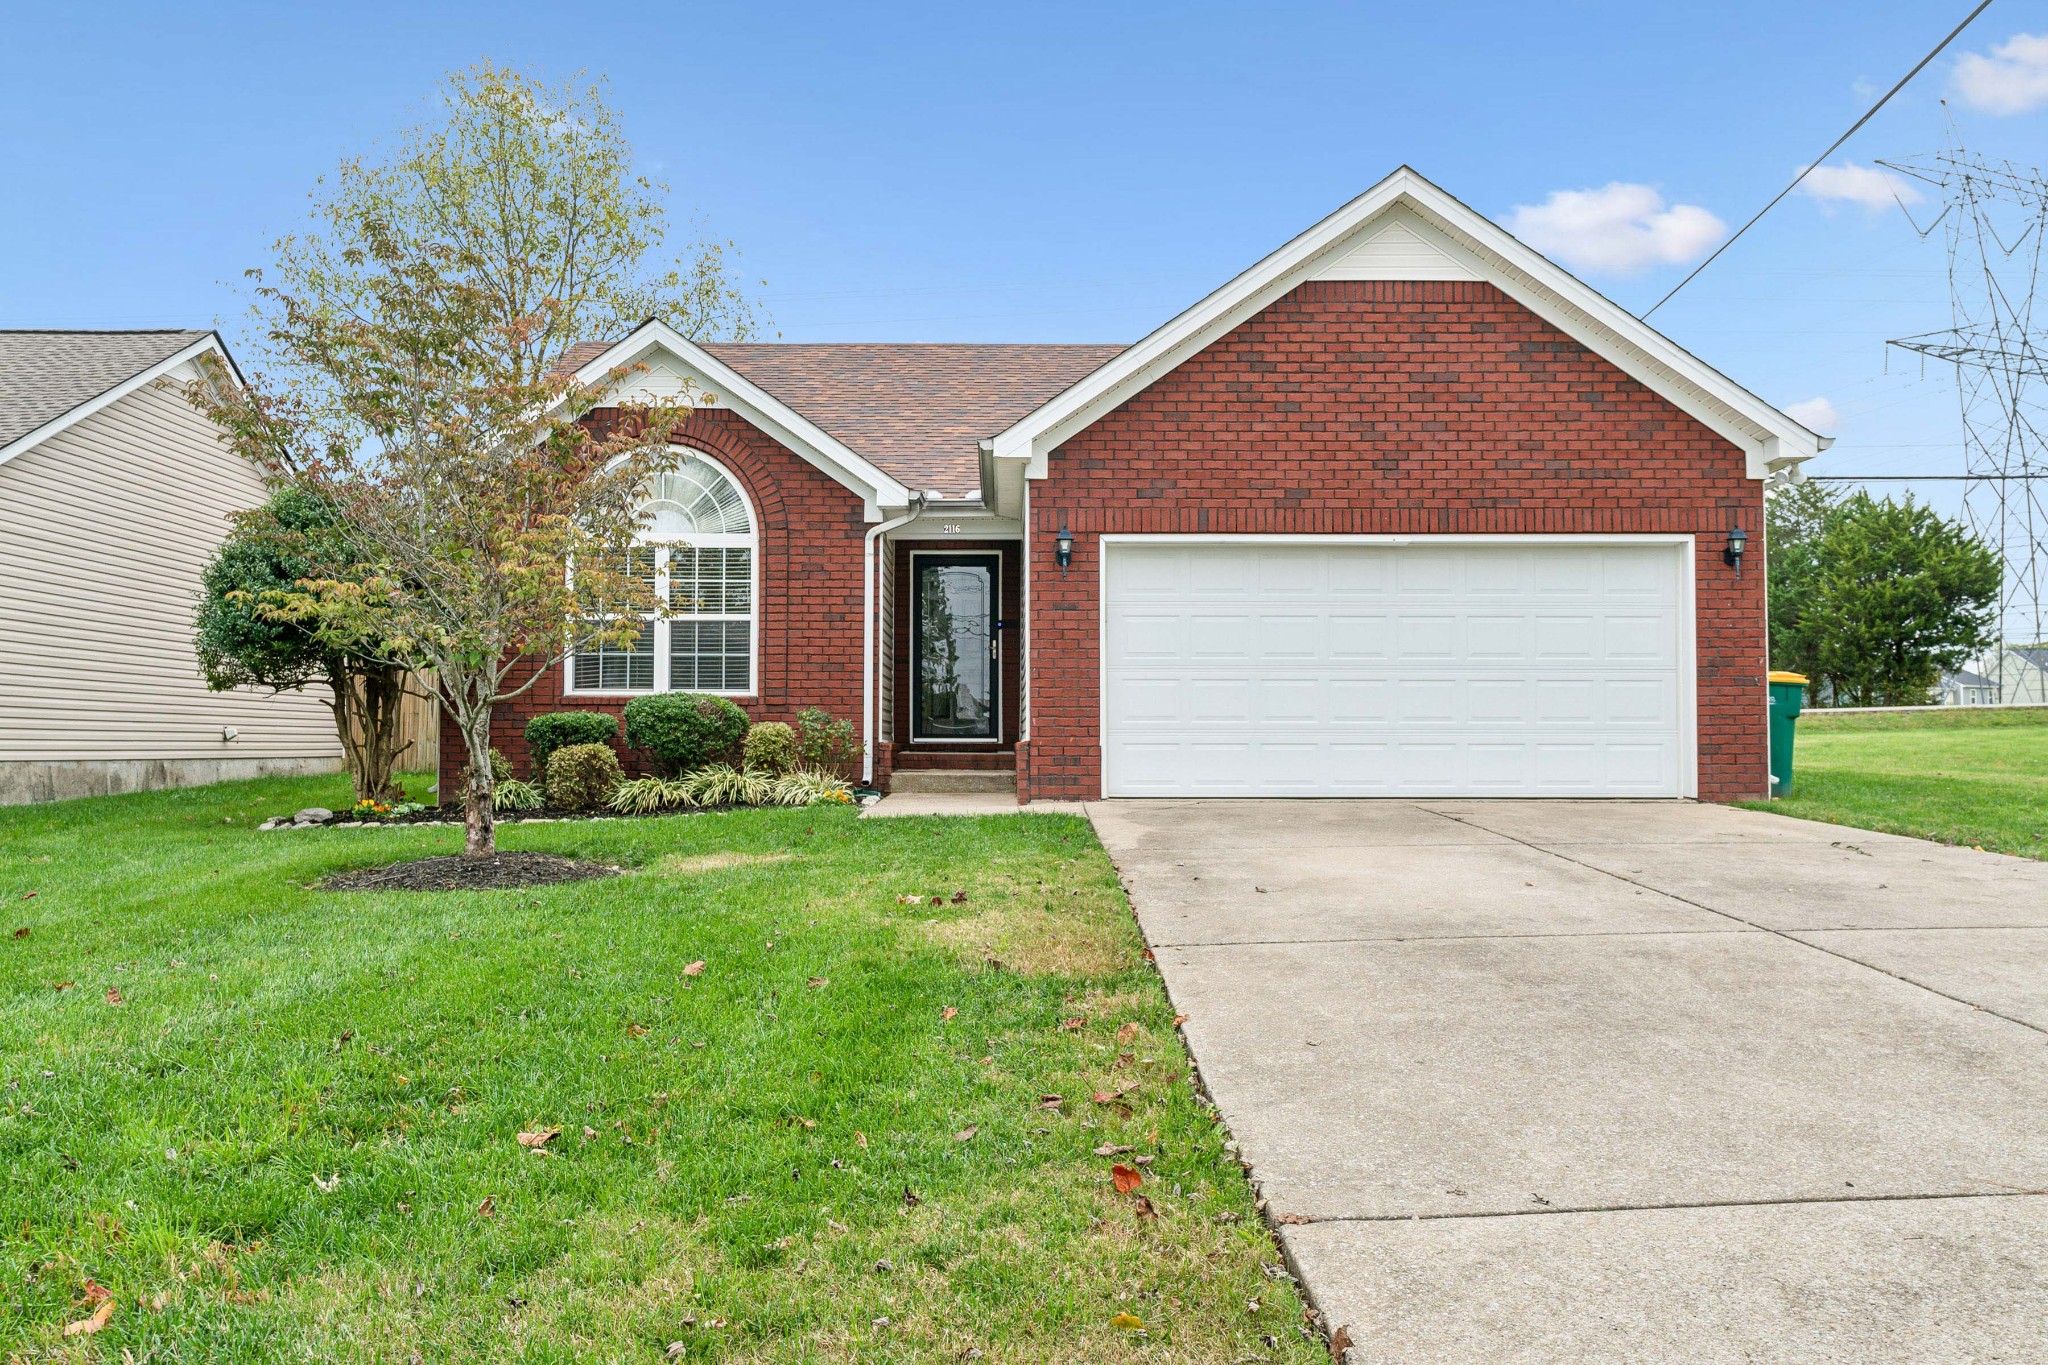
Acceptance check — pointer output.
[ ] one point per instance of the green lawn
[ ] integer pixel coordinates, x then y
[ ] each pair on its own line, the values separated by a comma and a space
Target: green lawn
281, 1123
1955, 776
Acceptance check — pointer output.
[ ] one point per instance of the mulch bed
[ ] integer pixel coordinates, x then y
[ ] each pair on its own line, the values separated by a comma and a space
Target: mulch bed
498, 872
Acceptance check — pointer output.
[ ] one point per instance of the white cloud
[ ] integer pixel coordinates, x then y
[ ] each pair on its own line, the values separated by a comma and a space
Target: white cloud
1870, 186
2012, 80
1617, 230
1815, 414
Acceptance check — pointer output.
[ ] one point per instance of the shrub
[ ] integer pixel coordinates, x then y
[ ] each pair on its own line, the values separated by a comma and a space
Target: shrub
583, 776
560, 729
512, 794
808, 787
827, 745
721, 784
771, 748
646, 795
683, 731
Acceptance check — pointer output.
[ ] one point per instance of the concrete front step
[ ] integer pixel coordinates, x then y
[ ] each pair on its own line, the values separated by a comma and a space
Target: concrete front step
952, 780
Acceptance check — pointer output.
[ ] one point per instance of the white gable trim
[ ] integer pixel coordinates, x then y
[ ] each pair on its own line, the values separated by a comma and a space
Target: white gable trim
28, 441
721, 386
1441, 226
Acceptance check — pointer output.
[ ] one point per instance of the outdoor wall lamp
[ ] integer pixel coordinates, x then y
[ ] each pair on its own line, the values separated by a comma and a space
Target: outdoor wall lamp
1738, 541
1063, 549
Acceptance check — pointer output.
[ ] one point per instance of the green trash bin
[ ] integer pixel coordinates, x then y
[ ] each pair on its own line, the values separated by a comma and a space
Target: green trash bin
1788, 693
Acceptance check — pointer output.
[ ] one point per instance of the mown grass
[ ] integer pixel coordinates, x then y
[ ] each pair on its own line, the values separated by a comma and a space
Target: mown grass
1980, 786
1821, 720
275, 1122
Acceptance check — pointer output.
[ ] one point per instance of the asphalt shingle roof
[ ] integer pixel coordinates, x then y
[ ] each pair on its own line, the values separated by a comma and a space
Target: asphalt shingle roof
45, 374
917, 411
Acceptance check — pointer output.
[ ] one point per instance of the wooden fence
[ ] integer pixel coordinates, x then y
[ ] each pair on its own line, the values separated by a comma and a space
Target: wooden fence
419, 728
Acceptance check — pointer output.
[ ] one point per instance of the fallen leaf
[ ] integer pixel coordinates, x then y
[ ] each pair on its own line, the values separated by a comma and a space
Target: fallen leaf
114, 997
910, 900
860, 1140
539, 1137
1051, 1101
694, 969
1179, 1019
947, 1013
22, 932
1126, 1033
1074, 1024
328, 1185
589, 1133
959, 898
85, 1327
1143, 1206
95, 1292
818, 983
1127, 1322
1340, 1342
1125, 1178
1107, 1096
63, 985
29, 896
1294, 1220
1111, 1149
675, 1350
911, 1198
1141, 1161
636, 1030
489, 1208
966, 1134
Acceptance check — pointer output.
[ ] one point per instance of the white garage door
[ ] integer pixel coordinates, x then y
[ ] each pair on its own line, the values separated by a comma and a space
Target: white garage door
1417, 669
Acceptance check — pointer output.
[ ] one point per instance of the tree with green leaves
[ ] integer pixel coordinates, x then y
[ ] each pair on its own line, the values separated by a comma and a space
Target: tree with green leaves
252, 630
1874, 599
409, 377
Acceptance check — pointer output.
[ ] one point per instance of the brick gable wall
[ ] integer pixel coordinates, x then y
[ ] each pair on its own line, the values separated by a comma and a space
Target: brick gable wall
1394, 407
811, 531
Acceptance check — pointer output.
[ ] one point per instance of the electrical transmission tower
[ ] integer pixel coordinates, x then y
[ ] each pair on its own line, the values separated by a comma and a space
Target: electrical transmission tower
1994, 218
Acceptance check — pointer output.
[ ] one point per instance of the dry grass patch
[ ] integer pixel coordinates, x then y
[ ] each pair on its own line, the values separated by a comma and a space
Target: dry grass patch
1034, 942
686, 865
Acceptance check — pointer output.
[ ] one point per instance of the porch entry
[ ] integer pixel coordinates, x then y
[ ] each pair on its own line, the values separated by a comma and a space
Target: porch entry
956, 648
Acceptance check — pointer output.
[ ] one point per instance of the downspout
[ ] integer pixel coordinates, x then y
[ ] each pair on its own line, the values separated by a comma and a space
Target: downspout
870, 608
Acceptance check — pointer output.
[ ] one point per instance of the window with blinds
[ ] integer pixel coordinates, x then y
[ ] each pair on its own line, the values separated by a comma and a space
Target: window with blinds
703, 567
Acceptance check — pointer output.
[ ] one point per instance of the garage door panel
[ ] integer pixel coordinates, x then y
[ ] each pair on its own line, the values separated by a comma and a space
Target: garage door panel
1547, 670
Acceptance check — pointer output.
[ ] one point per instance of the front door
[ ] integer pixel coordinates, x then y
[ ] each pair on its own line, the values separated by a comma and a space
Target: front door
956, 648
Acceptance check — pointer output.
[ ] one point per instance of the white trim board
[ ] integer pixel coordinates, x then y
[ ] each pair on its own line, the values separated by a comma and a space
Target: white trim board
65, 420
1684, 545
1438, 235
725, 387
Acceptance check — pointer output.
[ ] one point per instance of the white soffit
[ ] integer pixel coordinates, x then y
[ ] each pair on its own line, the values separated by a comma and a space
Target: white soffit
1435, 233
675, 367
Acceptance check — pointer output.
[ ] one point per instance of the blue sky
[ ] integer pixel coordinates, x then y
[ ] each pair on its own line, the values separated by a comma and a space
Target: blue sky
1054, 172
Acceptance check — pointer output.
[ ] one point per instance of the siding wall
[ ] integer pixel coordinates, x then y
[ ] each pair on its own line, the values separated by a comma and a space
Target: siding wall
104, 530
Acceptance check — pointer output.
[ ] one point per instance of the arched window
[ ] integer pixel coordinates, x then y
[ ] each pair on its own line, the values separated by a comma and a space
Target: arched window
701, 556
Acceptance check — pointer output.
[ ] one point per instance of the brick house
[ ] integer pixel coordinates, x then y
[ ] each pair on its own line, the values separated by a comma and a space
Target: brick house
1404, 509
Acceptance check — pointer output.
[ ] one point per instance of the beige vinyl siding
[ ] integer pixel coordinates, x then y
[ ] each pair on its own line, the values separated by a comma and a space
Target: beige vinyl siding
104, 529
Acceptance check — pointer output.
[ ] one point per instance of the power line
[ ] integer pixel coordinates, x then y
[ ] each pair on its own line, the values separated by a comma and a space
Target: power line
1868, 115
1921, 478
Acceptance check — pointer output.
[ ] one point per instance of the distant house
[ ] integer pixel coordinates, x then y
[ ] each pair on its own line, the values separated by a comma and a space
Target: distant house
2023, 674
114, 493
1964, 688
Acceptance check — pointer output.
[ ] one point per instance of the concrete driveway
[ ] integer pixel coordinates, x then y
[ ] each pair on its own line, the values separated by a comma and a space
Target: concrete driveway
1577, 1081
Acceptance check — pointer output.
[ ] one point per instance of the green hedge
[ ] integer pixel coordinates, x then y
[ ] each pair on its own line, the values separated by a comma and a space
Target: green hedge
560, 729
683, 731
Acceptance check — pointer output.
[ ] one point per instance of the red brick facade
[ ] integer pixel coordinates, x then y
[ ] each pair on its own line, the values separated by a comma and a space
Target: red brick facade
1393, 408
811, 532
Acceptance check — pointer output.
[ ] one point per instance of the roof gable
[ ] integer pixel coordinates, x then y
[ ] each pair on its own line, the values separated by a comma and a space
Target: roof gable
51, 380
1406, 228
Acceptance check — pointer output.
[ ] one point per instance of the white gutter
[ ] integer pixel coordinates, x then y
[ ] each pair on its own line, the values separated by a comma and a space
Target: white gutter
870, 609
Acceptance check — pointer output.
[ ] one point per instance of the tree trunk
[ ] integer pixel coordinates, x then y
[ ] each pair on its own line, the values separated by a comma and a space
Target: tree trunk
367, 699
479, 819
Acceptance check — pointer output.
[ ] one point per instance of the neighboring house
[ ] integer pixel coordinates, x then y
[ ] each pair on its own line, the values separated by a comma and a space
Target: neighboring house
1404, 509
114, 493
1964, 688
2022, 674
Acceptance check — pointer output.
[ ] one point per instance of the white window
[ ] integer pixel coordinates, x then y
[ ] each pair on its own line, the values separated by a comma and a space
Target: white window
701, 560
